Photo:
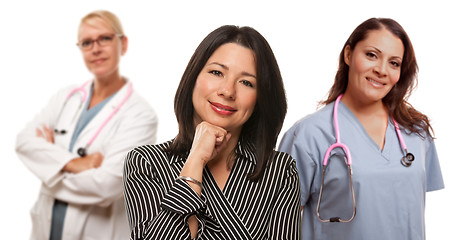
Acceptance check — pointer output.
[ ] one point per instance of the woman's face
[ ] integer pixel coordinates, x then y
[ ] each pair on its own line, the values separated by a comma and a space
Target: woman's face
374, 65
102, 61
226, 88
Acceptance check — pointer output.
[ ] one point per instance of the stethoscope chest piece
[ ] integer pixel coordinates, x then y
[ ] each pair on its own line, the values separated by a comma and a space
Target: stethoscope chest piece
82, 152
407, 159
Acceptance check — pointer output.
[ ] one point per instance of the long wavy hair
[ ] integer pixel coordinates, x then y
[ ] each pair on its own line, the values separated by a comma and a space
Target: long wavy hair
261, 130
396, 100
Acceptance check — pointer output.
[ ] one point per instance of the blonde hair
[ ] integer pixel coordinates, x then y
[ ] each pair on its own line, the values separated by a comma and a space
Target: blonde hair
105, 16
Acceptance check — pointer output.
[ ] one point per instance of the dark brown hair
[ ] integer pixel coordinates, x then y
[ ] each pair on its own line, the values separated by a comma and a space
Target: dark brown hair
396, 100
261, 130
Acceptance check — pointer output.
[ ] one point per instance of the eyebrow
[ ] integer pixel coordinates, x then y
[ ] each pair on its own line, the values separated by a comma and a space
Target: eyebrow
393, 57
227, 68
101, 35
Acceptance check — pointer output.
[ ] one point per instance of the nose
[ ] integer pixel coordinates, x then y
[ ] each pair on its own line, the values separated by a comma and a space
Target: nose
381, 68
95, 48
227, 89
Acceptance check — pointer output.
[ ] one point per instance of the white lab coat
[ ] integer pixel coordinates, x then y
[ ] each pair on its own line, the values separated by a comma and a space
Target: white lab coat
95, 201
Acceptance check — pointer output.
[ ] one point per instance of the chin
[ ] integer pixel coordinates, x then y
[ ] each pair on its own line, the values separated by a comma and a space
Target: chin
101, 73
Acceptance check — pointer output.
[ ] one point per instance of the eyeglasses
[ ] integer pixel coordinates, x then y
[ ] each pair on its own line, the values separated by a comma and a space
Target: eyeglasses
103, 40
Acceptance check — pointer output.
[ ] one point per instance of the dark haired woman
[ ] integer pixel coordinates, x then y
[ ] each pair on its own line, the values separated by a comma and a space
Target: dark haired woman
220, 177
386, 143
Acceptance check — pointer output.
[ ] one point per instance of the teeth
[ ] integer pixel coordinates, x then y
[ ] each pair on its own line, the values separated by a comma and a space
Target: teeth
374, 82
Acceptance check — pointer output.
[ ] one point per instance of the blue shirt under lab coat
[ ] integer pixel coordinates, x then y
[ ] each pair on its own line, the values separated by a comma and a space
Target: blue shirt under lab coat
390, 198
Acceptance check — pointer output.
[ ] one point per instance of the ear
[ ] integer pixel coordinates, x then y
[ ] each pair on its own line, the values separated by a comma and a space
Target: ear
124, 45
347, 55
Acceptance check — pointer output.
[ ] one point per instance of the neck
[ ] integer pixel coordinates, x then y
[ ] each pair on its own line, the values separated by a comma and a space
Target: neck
373, 116
106, 86
360, 108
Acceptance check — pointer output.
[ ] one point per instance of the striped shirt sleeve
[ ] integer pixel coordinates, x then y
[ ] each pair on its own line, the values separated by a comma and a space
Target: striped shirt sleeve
286, 215
153, 212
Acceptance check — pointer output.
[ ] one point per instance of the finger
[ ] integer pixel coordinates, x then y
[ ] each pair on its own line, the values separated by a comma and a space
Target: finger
223, 144
49, 135
209, 133
39, 133
45, 128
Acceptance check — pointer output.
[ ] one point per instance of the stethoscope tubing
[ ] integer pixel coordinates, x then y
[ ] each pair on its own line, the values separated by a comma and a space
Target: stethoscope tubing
82, 151
130, 90
406, 161
337, 144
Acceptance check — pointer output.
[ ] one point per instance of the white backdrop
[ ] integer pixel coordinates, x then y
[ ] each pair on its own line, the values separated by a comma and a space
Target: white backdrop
38, 56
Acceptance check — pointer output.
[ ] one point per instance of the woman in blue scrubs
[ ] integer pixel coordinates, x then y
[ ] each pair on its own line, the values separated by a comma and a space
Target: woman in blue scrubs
377, 72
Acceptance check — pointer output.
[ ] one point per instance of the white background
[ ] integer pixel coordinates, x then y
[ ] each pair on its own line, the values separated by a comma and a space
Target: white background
38, 56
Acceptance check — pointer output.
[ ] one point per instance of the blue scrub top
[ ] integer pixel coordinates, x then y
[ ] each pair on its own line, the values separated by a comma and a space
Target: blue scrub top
390, 198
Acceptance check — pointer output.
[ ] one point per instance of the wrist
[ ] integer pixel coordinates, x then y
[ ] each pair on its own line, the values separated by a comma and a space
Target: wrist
197, 160
191, 180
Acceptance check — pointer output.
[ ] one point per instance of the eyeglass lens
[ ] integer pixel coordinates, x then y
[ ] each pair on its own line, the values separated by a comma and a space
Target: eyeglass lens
102, 41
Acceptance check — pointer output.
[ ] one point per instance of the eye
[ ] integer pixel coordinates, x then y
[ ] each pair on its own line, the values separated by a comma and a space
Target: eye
395, 64
371, 55
216, 73
247, 83
105, 38
86, 43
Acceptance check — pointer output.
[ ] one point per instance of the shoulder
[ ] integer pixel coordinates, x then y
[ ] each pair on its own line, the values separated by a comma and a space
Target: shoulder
311, 126
151, 152
137, 108
63, 92
147, 160
284, 162
318, 119
427, 140
136, 102
282, 158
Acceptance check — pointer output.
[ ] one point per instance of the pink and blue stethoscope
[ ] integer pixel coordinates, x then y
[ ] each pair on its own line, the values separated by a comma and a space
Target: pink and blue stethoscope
82, 151
406, 161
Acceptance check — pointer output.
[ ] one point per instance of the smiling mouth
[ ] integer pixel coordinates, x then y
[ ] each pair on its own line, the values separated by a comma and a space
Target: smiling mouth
222, 109
100, 60
375, 83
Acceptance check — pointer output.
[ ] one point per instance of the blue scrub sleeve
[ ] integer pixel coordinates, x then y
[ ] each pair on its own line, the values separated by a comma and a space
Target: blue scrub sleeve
305, 165
432, 167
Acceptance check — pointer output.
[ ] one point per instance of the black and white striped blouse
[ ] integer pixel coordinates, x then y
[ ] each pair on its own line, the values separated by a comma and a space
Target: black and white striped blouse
158, 206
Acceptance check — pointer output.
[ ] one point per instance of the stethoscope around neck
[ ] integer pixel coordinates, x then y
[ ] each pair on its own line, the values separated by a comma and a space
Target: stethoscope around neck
406, 161
82, 151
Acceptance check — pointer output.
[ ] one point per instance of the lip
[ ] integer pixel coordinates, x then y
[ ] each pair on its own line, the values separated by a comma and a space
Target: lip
98, 60
222, 109
375, 83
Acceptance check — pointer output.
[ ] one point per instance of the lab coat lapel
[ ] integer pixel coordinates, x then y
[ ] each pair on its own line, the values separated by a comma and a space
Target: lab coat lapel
70, 111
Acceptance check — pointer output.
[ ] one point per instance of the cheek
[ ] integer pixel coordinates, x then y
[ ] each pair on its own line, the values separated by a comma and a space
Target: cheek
201, 89
251, 100
358, 66
86, 57
205, 85
394, 77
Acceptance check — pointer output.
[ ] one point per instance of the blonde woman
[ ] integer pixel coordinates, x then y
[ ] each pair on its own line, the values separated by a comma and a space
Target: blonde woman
77, 143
